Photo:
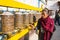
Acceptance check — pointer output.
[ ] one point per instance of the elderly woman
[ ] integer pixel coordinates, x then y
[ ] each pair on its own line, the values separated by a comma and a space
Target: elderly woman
45, 26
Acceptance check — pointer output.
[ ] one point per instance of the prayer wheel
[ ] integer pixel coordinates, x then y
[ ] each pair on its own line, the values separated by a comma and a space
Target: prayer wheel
18, 20
7, 22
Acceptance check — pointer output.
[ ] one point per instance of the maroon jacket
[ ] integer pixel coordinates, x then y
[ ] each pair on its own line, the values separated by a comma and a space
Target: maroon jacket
48, 26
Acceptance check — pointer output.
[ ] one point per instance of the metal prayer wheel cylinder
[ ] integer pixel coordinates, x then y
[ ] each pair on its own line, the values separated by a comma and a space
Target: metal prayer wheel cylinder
18, 20
31, 18
37, 16
26, 19
7, 22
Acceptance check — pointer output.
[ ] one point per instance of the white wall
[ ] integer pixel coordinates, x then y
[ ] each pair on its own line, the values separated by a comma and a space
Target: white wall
29, 2
3, 8
52, 4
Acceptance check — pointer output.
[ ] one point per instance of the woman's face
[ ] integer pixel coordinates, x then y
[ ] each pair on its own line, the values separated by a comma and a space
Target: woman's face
44, 14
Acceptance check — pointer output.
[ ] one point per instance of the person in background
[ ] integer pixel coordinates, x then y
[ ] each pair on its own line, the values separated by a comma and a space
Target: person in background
45, 26
59, 17
52, 14
56, 17
34, 18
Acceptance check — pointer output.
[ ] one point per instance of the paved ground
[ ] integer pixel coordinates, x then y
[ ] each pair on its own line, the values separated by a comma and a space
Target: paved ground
33, 37
56, 35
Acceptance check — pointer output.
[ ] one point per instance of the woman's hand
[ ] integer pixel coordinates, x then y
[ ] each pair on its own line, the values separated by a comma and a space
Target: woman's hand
32, 26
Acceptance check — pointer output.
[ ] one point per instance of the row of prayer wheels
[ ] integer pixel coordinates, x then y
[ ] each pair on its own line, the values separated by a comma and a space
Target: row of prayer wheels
19, 20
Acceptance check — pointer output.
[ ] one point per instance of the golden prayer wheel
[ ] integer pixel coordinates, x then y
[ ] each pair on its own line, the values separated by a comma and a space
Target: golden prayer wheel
7, 22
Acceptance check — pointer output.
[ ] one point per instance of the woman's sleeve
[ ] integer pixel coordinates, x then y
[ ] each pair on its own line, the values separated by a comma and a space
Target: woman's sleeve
38, 25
